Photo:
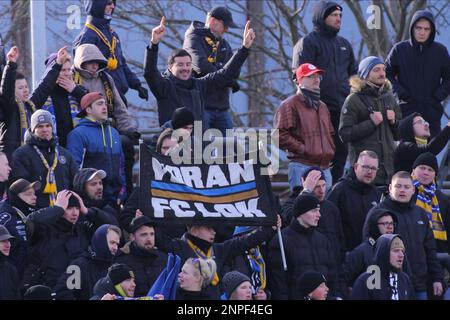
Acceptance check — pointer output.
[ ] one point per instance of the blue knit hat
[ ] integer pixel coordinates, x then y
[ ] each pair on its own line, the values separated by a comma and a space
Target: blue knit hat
367, 64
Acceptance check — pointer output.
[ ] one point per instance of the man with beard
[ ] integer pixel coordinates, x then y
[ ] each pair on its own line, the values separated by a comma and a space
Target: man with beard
305, 128
14, 212
370, 117
88, 183
394, 283
332, 53
141, 255
93, 264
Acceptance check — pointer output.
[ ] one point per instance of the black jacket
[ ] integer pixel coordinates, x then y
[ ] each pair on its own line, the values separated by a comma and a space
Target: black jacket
146, 265
28, 165
330, 52
381, 259
420, 73
408, 150
172, 93
9, 280
222, 252
414, 228
56, 242
357, 260
354, 200
195, 43
102, 287
10, 218
8, 105
330, 223
194, 295
305, 249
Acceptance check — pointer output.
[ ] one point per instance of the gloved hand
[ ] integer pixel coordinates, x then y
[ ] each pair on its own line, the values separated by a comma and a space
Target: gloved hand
133, 135
143, 93
235, 87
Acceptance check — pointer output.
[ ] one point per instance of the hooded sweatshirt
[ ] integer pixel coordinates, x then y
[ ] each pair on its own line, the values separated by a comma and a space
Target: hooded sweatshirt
381, 259
123, 77
330, 52
97, 145
98, 82
408, 150
420, 73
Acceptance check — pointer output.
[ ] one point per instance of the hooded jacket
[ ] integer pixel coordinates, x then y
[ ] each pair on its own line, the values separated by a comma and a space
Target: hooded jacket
172, 93
408, 150
123, 77
354, 199
382, 260
97, 145
360, 133
305, 133
420, 73
357, 260
330, 52
96, 83
305, 249
146, 265
55, 242
102, 287
196, 44
413, 226
93, 264
10, 218
27, 164
9, 280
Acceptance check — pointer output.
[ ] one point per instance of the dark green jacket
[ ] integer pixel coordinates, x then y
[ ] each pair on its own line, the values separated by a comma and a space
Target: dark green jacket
357, 129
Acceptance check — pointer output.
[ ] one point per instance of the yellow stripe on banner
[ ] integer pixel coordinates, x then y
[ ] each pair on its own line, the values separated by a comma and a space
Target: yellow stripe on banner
194, 197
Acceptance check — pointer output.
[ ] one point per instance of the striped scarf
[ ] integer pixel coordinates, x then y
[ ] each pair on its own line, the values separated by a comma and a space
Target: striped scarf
200, 254
50, 186
258, 267
25, 116
393, 285
427, 200
74, 110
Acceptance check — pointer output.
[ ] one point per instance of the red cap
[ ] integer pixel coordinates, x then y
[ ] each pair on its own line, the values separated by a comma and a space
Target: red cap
87, 100
307, 69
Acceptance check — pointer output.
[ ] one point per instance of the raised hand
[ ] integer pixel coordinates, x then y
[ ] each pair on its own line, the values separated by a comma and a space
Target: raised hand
62, 55
159, 31
83, 208
13, 54
249, 36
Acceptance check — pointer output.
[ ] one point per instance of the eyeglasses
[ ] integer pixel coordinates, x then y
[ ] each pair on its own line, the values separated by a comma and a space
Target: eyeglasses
421, 121
387, 224
368, 168
315, 76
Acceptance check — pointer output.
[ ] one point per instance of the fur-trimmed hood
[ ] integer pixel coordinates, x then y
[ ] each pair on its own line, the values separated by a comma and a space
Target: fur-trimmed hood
357, 84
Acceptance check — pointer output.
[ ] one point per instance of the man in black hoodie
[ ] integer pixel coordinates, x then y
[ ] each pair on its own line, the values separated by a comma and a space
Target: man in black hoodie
355, 195
210, 52
9, 278
13, 215
93, 265
414, 228
394, 283
414, 140
177, 88
334, 54
419, 69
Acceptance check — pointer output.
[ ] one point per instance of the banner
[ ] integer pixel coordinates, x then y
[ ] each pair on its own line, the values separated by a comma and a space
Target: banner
234, 193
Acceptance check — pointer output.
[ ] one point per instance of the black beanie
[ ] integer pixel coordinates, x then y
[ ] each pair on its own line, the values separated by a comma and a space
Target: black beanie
232, 280
38, 292
119, 272
181, 118
330, 10
427, 159
309, 281
303, 203
73, 202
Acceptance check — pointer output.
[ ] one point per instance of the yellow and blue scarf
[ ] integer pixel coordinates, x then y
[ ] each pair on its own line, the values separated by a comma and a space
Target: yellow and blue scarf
200, 254
258, 267
427, 200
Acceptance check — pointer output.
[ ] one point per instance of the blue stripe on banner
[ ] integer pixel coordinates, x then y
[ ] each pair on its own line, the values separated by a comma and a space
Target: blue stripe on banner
207, 192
